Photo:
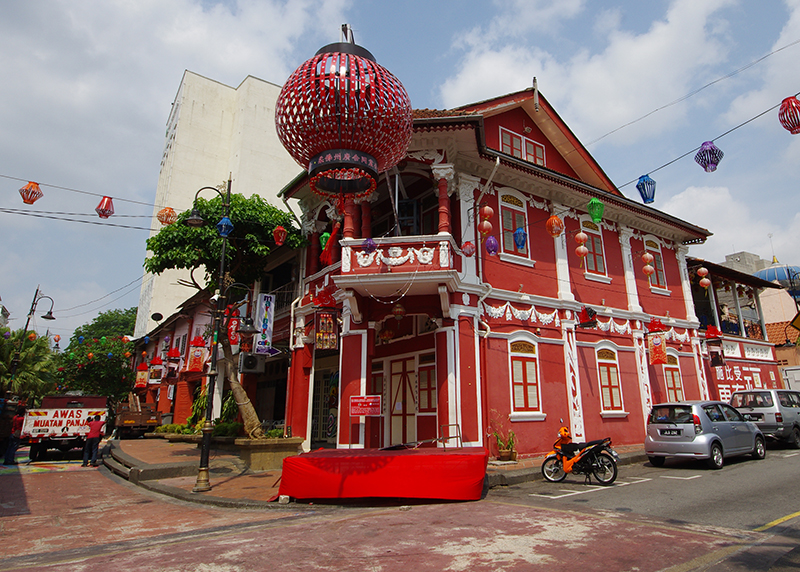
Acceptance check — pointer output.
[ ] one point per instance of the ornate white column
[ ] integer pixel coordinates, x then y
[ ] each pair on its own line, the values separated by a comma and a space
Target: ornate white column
698, 367
562, 263
645, 391
686, 286
625, 235
573, 377
467, 185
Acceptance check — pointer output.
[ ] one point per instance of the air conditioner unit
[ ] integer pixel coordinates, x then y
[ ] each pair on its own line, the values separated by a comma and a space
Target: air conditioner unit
251, 363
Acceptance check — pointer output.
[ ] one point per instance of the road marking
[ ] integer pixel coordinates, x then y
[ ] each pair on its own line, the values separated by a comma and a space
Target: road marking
681, 478
777, 522
589, 489
787, 455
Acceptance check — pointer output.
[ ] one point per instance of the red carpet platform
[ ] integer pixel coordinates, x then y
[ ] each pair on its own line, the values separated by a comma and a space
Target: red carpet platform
452, 474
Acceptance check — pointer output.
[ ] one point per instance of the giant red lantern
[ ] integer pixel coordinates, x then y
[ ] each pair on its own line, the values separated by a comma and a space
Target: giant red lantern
345, 118
31, 193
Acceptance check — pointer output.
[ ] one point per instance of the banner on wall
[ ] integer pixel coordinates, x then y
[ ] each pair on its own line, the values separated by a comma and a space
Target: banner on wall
156, 374
264, 321
197, 357
657, 346
141, 378
326, 327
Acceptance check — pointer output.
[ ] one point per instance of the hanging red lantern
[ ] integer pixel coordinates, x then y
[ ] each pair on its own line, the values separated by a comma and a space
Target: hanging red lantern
398, 311
56, 338
702, 272
484, 227
486, 212
582, 251
581, 237
167, 216
127, 354
387, 333
789, 115
141, 367
555, 226
32, 336
279, 234
157, 361
705, 282
468, 248
648, 270
144, 354
106, 208
648, 258
31, 193
344, 118
125, 339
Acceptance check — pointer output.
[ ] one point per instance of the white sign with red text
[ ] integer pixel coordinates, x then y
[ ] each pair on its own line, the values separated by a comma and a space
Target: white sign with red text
369, 405
66, 422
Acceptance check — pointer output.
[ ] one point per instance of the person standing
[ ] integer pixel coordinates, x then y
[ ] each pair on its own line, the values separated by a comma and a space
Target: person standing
14, 439
92, 441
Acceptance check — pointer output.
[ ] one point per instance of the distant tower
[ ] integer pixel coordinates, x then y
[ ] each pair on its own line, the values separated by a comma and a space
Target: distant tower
213, 130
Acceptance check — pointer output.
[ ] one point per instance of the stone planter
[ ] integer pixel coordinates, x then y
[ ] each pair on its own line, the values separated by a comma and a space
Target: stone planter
263, 454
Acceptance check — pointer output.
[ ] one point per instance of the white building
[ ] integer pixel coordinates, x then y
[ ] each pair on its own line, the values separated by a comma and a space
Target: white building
213, 131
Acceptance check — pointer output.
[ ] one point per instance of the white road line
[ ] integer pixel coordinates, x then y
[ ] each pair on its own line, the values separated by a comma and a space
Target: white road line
681, 478
588, 489
787, 455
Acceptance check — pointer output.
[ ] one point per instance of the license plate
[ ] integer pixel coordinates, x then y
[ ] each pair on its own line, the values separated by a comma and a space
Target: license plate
752, 417
670, 431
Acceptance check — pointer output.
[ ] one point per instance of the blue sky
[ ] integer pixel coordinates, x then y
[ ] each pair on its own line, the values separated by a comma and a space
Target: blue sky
87, 88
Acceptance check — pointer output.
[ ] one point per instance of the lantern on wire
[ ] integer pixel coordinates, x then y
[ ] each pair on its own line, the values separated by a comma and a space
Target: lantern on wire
595, 209
32, 336
279, 234
581, 237
789, 115
106, 208
369, 246
344, 118
702, 272
554, 226
647, 189
709, 156
648, 259
484, 227
167, 216
486, 212
468, 248
224, 227
492, 246
520, 238
31, 193
398, 311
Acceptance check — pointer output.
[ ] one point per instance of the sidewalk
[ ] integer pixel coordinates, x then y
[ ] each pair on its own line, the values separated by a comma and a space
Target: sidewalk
171, 469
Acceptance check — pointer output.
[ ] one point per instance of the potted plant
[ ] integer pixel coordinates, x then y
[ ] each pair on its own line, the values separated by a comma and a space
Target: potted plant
506, 445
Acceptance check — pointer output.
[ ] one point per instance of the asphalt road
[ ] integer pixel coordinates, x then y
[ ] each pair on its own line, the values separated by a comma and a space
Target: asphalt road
723, 521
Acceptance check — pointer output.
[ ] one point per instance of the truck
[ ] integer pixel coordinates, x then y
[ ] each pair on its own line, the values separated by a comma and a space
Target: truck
61, 422
134, 418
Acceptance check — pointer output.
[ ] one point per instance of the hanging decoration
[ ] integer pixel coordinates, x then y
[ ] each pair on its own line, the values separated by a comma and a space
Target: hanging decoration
657, 347
369, 246
279, 234
167, 216
387, 333
344, 118
648, 270
555, 226
702, 272
56, 338
492, 246
595, 209
581, 250
106, 208
398, 311
32, 336
587, 318
326, 329
789, 115
327, 252
486, 212
647, 189
485, 228
709, 156
146, 340
468, 248
125, 339
156, 361
31, 193
224, 227
520, 237
581, 237
81, 338
174, 354
90, 355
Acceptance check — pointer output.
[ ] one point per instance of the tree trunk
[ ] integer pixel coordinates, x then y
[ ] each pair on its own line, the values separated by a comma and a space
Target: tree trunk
252, 426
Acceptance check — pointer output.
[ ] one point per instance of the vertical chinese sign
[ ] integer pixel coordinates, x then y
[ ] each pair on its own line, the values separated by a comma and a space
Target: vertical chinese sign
265, 320
326, 326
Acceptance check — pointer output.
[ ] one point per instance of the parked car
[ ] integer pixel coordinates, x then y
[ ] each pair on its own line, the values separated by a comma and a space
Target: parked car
775, 411
710, 430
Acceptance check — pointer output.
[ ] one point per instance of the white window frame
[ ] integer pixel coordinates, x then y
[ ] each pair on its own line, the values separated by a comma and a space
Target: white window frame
514, 258
609, 413
525, 415
591, 228
673, 366
524, 155
655, 246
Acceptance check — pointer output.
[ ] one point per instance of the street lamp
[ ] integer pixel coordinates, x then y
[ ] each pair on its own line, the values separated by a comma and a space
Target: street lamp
224, 228
47, 316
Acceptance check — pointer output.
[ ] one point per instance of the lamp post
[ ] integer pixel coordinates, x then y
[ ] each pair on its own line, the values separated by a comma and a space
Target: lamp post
224, 228
47, 316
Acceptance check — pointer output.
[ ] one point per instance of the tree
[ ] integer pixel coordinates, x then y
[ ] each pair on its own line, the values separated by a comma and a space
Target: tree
98, 366
109, 324
35, 375
249, 247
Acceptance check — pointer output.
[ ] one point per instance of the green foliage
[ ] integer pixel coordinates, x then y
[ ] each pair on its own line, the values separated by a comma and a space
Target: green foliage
113, 323
229, 409
36, 370
227, 429
198, 406
249, 245
170, 428
98, 366
274, 434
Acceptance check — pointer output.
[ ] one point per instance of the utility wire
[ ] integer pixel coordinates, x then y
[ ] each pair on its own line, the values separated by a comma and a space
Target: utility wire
37, 215
139, 279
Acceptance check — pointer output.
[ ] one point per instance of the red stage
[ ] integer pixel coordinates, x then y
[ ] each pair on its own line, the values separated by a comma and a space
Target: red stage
452, 474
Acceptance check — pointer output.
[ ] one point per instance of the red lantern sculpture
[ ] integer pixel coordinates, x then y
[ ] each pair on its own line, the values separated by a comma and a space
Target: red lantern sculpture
106, 208
167, 216
555, 226
279, 234
345, 118
581, 238
468, 248
647, 258
709, 156
582, 251
648, 270
31, 193
789, 115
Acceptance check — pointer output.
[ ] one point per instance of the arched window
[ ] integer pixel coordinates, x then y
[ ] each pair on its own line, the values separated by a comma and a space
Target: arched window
608, 374
595, 263
513, 216
672, 379
525, 391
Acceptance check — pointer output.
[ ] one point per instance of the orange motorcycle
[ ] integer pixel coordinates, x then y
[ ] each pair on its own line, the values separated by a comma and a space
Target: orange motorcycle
596, 458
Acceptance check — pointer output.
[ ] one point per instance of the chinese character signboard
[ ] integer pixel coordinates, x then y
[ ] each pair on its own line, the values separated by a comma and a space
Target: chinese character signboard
141, 378
369, 405
658, 348
264, 321
326, 326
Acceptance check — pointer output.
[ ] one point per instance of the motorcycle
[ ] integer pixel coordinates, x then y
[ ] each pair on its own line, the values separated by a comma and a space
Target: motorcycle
596, 458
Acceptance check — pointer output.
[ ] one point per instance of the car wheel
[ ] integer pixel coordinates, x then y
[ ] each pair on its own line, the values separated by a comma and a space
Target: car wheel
657, 461
760, 450
715, 460
794, 440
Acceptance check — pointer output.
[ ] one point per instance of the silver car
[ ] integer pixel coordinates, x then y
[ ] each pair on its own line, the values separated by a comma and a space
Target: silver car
775, 411
710, 430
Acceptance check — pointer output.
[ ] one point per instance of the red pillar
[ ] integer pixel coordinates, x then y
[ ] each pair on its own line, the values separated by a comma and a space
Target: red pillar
444, 207
164, 404
298, 392
183, 402
314, 250
348, 228
468, 382
366, 219
350, 375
